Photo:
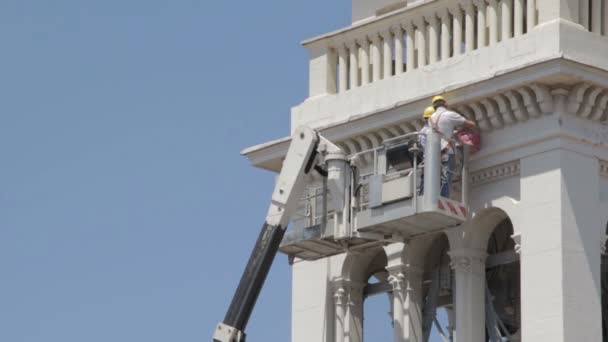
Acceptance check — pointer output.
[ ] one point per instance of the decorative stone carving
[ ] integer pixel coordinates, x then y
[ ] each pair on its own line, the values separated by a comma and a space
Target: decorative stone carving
495, 173
604, 248
468, 261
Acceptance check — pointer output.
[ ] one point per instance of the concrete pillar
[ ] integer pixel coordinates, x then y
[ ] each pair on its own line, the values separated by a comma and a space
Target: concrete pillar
387, 54
342, 68
469, 29
561, 229
457, 29
398, 37
421, 38
413, 304
322, 70
353, 49
433, 38
354, 313
518, 9
364, 62
469, 295
445, 34
506, 7
493, 21
481, 23
376, 57
410, 46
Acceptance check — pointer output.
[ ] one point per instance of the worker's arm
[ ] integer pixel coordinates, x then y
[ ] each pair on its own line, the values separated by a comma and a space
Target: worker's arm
469, 124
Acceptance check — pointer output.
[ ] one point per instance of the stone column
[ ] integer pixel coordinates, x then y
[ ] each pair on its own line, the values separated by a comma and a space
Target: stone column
353, 49
469, 29
518, 9
469, 295
376, 57
398, 284
445, 34
364, 44
413, 304
605, 15
410, 46
493, 21
398, 36
354, 313
340, 304
457, 29
433, 38
387, 53
421, 34
506, 6
561, 227
343, 68
481, 23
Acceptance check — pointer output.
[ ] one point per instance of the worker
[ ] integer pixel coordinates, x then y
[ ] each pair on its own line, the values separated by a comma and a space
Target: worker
428, 112
444, 121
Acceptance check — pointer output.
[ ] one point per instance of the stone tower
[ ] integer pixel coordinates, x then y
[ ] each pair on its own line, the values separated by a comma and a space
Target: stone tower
527, 264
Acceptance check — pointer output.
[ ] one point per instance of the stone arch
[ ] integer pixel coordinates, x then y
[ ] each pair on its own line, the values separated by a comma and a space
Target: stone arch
355, 270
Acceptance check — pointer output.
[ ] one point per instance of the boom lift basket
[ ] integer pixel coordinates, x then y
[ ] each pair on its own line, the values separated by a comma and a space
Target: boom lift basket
393, 196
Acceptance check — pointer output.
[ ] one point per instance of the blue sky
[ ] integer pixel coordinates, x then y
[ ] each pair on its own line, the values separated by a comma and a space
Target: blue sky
126, 211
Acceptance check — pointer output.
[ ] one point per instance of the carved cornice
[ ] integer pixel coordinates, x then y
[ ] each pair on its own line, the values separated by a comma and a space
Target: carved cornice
495, 173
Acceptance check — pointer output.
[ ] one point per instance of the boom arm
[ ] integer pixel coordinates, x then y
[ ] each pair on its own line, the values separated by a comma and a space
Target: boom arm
298, 163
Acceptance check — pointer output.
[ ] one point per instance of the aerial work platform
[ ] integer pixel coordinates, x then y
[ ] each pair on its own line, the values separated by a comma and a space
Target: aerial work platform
386, 200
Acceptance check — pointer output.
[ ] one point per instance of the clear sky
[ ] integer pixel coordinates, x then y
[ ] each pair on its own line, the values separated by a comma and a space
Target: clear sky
126, 211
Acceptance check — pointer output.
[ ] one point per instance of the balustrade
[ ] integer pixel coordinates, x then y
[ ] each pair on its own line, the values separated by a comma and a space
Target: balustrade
427, 35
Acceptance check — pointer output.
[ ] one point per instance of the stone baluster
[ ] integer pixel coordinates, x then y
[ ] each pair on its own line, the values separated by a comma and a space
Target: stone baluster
605, 16
505, 12
469, 29
421, 37
376, 57
342, 68
596, 17
433, 38
493, 21
364, 44
387, 53
518, 9
398, 37
481, 23
353, 49
410, 46
445, 34
531, 15
457, 29
584, 14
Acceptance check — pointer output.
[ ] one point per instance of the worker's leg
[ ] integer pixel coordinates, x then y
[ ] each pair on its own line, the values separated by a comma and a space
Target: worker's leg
447, 172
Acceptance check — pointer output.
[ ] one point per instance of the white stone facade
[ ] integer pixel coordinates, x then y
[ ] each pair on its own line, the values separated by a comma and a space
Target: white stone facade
534, 75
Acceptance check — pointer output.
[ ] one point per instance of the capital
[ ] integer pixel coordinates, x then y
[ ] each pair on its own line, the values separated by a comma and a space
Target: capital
375, 37
455, 9
396, 29
363, 42
480, 3
468, 261
604, 241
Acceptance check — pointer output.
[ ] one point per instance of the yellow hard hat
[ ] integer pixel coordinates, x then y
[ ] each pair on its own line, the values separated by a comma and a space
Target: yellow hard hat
438, 98
428, 112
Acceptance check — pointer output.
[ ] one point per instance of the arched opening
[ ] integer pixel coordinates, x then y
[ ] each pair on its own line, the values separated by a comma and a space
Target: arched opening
503, 295
377, 301
604, 269
438, 304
